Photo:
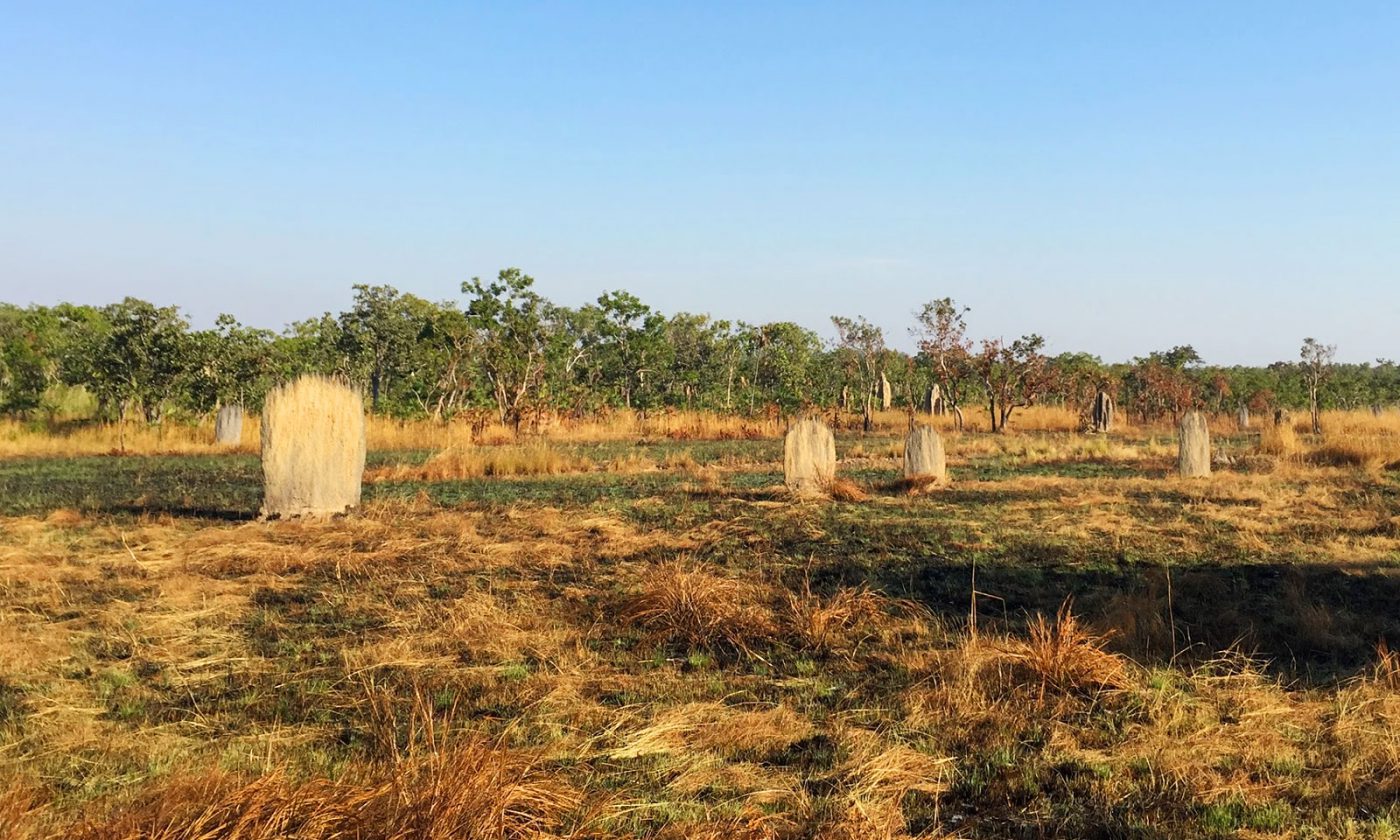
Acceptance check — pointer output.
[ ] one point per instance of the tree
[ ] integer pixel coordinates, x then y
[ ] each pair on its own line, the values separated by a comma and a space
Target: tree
230, 364
510, 321
1317, 362
1160, 384
30, 356
447, 343
1013, 375
696, 370
630, 345
378, 335
866, 342
780, 360
942, 337
141, 357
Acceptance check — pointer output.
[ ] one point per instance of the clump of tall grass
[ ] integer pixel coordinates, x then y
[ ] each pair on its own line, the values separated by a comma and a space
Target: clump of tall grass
681, 602
468, 790
834, 624
1281, 441
846, 490
483, 462
1370, 452
1066, 658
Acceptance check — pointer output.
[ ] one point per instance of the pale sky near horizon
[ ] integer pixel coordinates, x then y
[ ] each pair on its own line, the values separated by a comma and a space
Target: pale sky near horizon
1117, 177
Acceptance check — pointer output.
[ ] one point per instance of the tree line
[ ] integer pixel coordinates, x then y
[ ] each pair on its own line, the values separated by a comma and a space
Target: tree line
507, 352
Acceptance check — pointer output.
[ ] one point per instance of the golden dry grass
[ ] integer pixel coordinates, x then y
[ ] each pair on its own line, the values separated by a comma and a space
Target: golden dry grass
18, 438
684, 603
666, 668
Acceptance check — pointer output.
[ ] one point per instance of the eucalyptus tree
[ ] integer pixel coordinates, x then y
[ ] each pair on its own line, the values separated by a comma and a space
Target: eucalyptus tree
231, 364
866, 343
140, 358
941, 332
1013, 376
1318, 360
781, 356
378, 336
695, 371
512, 326
631, 348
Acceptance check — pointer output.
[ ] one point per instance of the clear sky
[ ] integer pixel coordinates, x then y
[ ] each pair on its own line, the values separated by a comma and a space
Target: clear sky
1119, 176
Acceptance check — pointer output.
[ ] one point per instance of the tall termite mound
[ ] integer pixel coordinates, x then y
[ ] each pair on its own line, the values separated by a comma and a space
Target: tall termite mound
924, 458
228, 425
313, 448
934, 403
1102, 415
1193, 459
1242, 417
884, 393
809, 457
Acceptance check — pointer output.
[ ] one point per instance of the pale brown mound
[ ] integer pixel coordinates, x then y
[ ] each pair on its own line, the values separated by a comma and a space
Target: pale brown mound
1193, 460
924, 458
228, 425
313, 448
809, 457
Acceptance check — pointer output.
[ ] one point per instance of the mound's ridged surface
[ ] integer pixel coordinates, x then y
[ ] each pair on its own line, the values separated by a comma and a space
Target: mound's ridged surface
809, 457
924, 457
313, 448
228, 425
1193, 460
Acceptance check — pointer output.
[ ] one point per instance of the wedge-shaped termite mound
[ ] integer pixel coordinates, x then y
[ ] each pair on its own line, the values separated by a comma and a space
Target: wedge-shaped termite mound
313, 448
228, 425
1193, 459
809, 457
924, 458
1102, 418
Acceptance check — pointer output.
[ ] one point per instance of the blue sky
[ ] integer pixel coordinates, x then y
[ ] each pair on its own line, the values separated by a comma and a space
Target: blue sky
1119, 177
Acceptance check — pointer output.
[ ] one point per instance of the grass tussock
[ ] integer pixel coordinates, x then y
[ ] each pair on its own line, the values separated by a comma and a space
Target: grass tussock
836, 624
484, 462
681, 602
1280, 441
1066, 658
846, 490
470, 790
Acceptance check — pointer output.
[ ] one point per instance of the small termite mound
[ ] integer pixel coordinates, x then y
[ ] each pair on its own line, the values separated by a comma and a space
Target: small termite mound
228, 425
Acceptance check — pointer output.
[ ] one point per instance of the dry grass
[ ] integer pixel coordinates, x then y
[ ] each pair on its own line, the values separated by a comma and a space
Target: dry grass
1281, 441
1067, 658
19, 439
846, 490
682, 602
484, 461
382, 434
1371, 452
838, 623
468, 790
527, 670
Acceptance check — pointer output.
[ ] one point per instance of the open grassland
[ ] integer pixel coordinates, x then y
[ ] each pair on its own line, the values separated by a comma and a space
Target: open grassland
640, 635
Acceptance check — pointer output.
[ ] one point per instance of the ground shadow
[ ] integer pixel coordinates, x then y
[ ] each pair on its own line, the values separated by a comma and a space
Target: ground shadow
184, 512
1306, 622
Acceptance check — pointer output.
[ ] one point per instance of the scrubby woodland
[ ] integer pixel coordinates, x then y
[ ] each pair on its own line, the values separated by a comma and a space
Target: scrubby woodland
586, 596
508, 354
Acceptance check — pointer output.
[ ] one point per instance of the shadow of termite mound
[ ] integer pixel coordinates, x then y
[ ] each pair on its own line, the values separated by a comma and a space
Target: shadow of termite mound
1312, 623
